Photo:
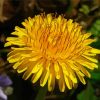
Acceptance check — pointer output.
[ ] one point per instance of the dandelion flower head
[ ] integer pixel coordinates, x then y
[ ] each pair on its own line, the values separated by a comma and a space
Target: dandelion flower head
52, 50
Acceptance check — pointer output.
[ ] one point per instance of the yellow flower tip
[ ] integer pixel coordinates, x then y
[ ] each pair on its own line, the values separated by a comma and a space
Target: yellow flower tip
52, 49
84, 83
42, 85
63, 89
93, 50
88, 74
96, 66
7, 44
50, 89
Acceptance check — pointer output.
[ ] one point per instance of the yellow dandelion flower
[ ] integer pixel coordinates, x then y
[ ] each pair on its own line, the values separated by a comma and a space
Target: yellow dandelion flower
52, 49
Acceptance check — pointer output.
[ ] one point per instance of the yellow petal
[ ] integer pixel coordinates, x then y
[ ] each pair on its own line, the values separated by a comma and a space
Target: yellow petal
89, 41
84, 70
81, 78
51, 82
61, 84
37, 75
44, 78
88, 64
87, 35
89, 54
30, 69
51, 78
23, 65
30, 21
71, 74
56, 68
65, 70
49, 18
7, 44
37, 67
16, 65
73, 66
91, 59
46, 73
96, 51
68, 82
35, 58
22, 70
80, 73
14, 58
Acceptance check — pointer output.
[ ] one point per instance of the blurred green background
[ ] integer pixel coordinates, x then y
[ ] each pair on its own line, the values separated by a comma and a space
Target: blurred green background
13, 12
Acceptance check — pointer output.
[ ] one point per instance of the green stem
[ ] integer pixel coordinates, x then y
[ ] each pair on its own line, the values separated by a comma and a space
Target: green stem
42, 93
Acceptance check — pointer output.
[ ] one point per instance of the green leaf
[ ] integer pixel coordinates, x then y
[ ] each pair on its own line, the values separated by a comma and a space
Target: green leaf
87, 94
97, 26
95, 76
96, 44
85, 9
94, 31
98, 21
